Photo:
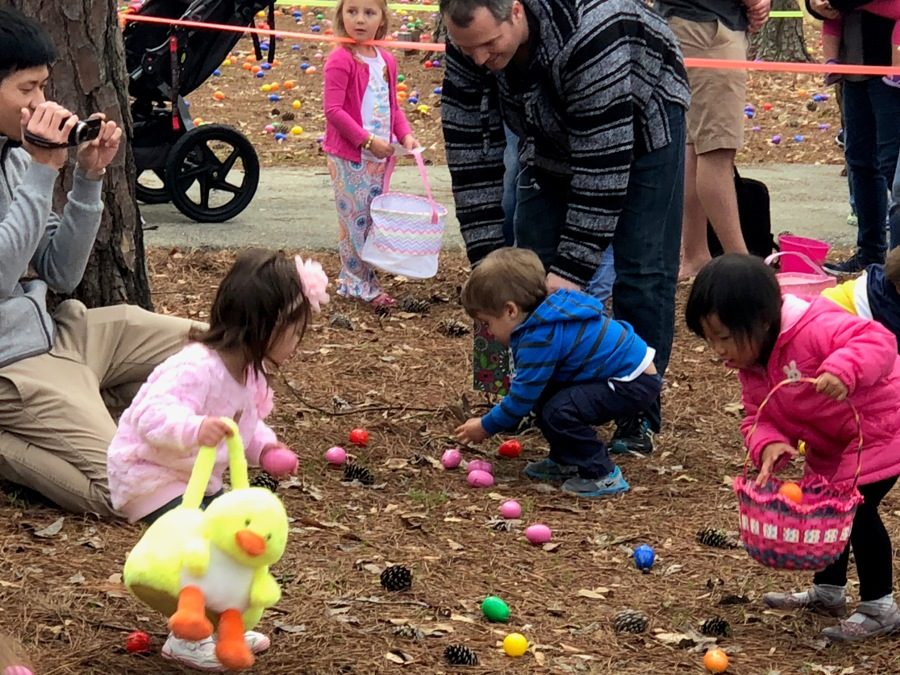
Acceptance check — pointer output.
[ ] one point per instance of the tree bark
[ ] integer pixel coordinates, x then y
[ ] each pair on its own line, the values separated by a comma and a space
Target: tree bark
780, 39
89, 77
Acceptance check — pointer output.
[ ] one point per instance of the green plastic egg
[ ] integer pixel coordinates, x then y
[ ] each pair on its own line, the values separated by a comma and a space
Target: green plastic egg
495, 610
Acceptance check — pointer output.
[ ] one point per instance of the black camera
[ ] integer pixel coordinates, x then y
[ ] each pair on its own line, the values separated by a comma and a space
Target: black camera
82, 132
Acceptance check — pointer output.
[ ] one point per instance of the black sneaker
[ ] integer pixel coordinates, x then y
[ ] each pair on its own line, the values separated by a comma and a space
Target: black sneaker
839, 139
632, 435
852, 265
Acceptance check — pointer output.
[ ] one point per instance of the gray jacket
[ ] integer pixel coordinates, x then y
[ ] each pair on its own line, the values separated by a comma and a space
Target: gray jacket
57, 248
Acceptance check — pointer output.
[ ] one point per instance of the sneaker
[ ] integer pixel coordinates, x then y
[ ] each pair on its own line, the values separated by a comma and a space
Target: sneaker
202, 655
610, 484
549, 471
852, 265
892, 80
839, 139
864, 624
632, 436
852, 220
807, 601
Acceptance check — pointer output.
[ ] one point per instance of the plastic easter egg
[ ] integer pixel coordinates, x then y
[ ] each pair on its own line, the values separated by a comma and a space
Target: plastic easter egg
197, 121
767, 106
511, 509
422, 108
511, 448
310, 70
295, 104
436, 64
479, 478
644, 557
289, 84
137, 642
479, 465
792, 491
226, 63
266, 66
799, 138
413, 100
296, 130
219, 96
17, 670
280, 137
438, 90
494, 609
515, 644
266, 88
359, 436
336, 455
260, 74
269, 129
538, 534
401, 77
451, 458
274, 98
776, 139
217, 73
716, 661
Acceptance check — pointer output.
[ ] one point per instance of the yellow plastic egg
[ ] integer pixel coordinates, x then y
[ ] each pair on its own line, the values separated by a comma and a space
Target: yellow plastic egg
265, 88
515, 644
295, 104
422, 108
226, 62
297, 130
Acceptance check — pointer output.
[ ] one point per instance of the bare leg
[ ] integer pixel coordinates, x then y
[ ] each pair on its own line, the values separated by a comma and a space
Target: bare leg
694, 249
715, 188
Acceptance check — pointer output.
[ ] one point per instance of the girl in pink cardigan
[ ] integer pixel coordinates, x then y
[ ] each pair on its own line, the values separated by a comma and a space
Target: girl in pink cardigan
362, 119
736, 305
260, 312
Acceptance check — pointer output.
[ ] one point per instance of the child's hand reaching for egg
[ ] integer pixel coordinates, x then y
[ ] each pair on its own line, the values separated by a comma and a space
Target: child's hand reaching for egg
831, 386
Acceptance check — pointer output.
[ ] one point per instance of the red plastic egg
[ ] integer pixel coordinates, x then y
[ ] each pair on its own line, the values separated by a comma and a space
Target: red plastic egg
359, 437
511, 448
137, 642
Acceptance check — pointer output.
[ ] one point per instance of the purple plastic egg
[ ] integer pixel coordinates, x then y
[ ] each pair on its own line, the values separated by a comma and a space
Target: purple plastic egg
538, 534
336, 455
511, 509
479, 465
478, 478
451, 458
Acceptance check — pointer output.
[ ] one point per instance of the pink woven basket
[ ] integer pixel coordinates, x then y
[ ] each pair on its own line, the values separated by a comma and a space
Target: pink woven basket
783, 534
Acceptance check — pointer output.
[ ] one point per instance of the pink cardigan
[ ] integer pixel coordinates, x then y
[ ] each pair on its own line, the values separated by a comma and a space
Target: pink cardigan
346, 79
821, 337
151, 456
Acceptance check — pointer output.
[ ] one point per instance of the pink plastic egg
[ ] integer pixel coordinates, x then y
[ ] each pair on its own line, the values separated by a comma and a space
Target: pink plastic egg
17, 670
336, 455
451, 458
478, 478
479, 465
538, 534
511, 509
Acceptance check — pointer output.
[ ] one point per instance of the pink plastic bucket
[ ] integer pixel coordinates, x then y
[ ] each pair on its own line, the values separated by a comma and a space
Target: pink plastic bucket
813, 248
806, 285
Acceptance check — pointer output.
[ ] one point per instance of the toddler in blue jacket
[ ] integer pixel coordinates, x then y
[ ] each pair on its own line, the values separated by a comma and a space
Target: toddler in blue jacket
575, 367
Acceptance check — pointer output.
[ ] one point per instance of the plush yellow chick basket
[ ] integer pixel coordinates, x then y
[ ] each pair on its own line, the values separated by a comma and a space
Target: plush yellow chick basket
206, 569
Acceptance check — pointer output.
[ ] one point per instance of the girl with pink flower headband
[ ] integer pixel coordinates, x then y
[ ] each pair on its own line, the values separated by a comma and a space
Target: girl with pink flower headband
259, 315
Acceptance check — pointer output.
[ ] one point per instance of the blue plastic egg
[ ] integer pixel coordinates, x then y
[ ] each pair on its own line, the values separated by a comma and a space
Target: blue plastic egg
644, 557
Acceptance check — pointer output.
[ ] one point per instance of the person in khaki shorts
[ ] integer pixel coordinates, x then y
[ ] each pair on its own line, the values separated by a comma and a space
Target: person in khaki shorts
56, 371
712, 29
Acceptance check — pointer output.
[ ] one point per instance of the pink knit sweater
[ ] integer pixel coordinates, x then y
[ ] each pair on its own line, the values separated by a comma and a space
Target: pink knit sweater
151, 456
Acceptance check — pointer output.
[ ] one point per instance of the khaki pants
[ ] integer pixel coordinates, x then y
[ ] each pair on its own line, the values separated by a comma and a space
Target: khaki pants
55, 427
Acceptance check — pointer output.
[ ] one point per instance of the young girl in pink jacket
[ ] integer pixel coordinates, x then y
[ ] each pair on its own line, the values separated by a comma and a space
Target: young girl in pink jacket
362, 118
735, 304
258, 317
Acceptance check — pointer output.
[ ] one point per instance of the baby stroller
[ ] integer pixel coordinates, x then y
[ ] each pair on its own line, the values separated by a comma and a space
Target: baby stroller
209, 172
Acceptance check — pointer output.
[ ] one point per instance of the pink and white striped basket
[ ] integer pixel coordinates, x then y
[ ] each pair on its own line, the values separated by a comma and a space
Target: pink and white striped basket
407, 230
783, 534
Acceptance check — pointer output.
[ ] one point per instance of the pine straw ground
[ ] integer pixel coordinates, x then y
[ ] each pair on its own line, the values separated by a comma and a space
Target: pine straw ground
61, 592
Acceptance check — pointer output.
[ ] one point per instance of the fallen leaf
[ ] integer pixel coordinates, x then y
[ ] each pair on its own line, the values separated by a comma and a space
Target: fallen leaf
462, 618
598, 593
676, 639
288, 627
455, 545
552, 546
401, 657
77, 578
51, 530
395, 463
673, 569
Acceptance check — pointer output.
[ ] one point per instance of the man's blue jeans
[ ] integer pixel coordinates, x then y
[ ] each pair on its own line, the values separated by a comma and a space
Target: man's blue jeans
647, 239
872, 137
894, 216
510, 175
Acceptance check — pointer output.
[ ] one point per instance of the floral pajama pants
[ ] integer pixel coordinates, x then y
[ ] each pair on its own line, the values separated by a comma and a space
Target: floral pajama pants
356, 184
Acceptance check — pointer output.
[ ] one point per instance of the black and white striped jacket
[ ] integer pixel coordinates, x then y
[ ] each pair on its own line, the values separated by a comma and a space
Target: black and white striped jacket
593, 97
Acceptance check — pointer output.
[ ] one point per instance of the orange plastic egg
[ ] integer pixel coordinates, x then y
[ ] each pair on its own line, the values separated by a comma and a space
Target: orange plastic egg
219, 96
792, 491
716, 661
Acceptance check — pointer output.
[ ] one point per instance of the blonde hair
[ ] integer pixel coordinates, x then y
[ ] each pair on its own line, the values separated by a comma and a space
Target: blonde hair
892, 266
340, 30
505, 275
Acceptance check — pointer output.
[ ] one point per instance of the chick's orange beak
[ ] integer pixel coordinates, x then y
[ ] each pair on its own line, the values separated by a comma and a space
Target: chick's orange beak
250, 542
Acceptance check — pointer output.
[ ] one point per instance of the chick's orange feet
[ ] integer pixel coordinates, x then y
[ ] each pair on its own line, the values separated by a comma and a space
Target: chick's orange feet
231, 648
189, 621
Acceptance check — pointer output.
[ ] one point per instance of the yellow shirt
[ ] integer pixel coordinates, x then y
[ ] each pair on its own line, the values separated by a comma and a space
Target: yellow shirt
852, 296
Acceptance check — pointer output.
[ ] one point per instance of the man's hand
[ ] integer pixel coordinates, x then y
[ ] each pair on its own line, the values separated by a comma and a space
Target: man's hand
471, 431
831, 386
824, 9
757, 13
557, 283
52, 122
770, 455
94, 156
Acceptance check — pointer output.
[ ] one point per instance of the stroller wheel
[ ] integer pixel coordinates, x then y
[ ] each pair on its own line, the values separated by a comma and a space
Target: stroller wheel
212, 173
151, 187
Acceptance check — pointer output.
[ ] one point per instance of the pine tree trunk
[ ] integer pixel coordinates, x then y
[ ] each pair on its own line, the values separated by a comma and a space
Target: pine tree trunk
89, 77
780, 39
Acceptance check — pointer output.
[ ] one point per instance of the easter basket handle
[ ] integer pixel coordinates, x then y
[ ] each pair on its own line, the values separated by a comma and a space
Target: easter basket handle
391, 164
807, 380
805, 258
206, 460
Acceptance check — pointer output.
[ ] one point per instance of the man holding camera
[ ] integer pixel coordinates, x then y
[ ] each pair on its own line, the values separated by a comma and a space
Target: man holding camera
57, 371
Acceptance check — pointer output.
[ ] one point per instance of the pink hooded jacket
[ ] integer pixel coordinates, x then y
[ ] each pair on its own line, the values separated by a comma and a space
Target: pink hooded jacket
346, 79
821, 337
151, 456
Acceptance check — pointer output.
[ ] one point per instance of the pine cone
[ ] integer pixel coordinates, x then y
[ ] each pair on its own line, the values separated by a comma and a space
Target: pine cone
460, 655
287, 117
411, 304
340, 321
265, 480
407, 631
630, 621
454, 328
396, 578
716, 538
282, 128
354, 472
716, 627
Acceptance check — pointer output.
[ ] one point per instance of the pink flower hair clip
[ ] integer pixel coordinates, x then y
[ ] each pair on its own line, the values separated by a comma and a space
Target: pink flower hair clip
313, 282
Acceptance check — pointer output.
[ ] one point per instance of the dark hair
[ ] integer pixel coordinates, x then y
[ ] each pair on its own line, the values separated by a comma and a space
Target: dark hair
892, 266
742, 291
23, 43
259, 296
460, 11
